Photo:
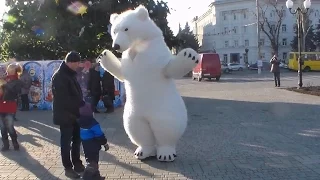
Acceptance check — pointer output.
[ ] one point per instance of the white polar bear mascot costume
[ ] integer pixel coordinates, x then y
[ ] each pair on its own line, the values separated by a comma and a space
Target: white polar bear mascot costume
155, 116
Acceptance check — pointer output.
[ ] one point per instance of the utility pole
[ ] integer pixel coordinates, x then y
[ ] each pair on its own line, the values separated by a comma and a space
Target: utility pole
258, 30
259, 60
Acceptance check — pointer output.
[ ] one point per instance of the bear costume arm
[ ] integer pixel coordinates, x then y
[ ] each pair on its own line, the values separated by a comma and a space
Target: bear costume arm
111, 63
181, 64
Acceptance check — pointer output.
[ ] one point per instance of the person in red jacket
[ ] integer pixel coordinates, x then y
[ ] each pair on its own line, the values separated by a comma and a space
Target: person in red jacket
10, 86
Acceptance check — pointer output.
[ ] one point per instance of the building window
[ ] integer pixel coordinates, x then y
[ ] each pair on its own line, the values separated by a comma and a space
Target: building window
246, 42
284, 56
283, 13
244, 29
225, 58
225, 30
284, 42
261, 42
284, 28
235, 29
226, 44
234, 16
224, 16
244, 15
263, 55
236, 43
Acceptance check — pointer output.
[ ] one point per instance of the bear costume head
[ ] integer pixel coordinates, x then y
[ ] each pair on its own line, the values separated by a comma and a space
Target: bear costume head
132, 27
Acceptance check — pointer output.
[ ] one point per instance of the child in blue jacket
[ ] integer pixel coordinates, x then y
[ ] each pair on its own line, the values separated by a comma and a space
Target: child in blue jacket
92, 139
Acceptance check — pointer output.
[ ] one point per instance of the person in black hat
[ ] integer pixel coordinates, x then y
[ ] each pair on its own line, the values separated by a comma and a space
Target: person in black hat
67, 96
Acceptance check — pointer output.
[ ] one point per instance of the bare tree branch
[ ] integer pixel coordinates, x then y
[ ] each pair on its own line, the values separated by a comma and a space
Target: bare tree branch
272, 14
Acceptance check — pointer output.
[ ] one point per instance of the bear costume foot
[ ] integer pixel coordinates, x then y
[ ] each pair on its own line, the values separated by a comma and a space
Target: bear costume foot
144, 152
166, 153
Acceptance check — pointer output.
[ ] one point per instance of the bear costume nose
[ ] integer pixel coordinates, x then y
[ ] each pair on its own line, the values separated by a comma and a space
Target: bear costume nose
116, 47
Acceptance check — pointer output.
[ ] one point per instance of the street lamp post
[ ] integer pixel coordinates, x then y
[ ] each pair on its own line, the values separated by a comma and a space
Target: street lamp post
299, 11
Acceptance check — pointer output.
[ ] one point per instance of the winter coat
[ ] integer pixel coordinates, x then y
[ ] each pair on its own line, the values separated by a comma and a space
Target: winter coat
94, 85
108, 85
67, 96
11, 89
27, 81
275, 65
91, 134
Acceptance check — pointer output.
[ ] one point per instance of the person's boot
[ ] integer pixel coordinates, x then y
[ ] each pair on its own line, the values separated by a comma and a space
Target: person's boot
79, 168
70, 173
5, 146
15, 144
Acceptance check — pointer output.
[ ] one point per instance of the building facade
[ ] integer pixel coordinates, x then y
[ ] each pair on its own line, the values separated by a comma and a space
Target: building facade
229, 27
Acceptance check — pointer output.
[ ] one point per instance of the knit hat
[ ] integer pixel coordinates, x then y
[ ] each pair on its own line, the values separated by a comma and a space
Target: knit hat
73, 56
85, 109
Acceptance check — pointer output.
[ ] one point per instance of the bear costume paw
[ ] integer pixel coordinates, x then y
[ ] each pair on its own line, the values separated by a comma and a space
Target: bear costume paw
144, 152
189, 54
165, 153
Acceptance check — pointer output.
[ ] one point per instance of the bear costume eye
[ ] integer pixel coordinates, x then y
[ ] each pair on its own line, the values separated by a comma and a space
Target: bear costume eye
126, 29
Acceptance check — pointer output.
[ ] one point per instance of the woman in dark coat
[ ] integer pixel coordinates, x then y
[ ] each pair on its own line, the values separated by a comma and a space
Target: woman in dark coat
108, 91
275, 69
94, 86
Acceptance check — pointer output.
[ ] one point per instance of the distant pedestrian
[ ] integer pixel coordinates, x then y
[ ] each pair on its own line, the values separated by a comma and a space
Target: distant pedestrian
275, 69
94, 86
27, 81
108, 89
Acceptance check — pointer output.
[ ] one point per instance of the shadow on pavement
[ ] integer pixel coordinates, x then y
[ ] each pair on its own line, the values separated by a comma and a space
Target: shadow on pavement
226, 136
223, 137
27, 162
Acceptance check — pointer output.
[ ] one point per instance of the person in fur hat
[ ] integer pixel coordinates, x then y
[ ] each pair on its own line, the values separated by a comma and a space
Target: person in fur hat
92, 139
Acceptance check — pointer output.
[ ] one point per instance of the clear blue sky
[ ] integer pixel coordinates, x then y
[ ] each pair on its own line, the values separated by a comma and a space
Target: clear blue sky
181, 11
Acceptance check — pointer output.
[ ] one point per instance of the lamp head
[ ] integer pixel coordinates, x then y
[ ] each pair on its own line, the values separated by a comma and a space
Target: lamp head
289, 4
307, 4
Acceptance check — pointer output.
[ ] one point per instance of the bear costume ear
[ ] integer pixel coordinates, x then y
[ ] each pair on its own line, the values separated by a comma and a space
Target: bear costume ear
142, 12
113, 17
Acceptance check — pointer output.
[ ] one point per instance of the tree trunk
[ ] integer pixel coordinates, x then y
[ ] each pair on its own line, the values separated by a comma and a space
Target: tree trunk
275, 48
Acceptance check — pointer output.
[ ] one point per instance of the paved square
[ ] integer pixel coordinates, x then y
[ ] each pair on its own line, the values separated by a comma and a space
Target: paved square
239, 128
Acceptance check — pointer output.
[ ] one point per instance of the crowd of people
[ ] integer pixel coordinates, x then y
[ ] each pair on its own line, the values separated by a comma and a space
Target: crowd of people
72, 112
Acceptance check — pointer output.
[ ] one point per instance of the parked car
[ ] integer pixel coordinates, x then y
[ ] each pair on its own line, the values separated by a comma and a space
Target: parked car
265, 66
209, 66
236, 66
283, 65
225, 69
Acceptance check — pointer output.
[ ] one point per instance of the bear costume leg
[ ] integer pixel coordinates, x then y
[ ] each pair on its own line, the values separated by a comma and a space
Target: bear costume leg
140, 134
167, 135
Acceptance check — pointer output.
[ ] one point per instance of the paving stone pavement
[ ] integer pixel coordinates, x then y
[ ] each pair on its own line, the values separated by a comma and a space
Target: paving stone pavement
241, 128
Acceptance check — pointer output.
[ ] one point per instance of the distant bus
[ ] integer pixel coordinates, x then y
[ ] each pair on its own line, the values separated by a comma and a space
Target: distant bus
311, 61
